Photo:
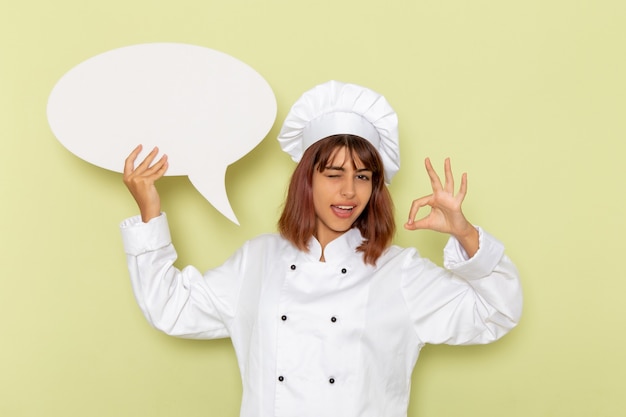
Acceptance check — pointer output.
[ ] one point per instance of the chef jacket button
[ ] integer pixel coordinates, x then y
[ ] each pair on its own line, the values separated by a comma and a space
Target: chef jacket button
331, 380
333, 319
293, 267
281, 378
283, 318
344, 271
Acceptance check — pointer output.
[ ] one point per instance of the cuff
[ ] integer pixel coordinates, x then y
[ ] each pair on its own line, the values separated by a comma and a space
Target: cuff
139, 237
490, 251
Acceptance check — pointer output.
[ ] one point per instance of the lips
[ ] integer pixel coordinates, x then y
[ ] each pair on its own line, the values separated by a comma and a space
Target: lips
343, 211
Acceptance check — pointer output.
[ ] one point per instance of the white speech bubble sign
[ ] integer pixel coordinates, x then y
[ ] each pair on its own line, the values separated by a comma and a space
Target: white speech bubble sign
203, 108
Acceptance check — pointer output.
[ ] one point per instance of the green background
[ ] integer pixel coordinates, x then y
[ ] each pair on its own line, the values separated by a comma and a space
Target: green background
527, 97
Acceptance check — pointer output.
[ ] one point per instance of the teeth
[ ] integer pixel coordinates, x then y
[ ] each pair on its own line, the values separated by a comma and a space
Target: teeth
345, 207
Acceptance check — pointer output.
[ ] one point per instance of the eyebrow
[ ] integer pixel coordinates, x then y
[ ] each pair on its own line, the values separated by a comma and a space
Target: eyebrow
340, 168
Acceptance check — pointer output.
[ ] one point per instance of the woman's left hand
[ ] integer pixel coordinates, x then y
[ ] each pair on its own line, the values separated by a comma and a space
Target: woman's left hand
446, 215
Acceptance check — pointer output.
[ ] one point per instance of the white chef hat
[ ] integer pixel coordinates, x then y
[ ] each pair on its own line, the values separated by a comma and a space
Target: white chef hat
338, 108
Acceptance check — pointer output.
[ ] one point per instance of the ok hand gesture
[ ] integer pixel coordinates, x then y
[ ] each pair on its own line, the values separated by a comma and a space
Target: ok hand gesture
140, 181
446, 215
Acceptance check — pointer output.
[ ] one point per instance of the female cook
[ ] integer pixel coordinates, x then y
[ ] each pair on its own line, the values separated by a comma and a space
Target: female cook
327, 317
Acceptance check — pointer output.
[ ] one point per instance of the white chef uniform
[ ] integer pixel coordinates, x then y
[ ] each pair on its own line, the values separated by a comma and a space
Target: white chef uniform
325, 339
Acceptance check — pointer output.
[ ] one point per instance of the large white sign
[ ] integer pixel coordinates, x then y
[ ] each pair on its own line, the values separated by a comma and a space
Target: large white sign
201, 107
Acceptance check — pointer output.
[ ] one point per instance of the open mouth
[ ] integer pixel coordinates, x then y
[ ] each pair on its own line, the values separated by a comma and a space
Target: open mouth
343, 211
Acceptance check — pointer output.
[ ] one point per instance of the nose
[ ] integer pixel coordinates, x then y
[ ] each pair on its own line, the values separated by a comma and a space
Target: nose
347, 188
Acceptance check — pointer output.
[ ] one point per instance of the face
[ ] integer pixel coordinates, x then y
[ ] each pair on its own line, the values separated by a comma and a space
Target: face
340, 194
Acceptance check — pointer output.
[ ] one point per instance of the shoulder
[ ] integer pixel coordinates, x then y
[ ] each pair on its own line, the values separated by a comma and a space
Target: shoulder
269, 242
258, 252
399, 257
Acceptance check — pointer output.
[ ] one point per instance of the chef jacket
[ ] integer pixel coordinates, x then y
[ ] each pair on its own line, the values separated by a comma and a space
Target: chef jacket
325, 339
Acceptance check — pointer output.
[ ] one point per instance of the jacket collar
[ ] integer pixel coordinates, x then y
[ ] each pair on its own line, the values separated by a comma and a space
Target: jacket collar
338, 249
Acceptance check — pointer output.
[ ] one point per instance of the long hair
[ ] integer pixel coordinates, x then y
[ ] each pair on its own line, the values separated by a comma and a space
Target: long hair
297, 222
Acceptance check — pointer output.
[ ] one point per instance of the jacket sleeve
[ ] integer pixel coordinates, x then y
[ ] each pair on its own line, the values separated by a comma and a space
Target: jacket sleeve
470, 301
183, 303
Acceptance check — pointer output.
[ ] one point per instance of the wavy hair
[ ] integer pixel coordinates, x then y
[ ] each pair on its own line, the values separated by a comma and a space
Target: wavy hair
297, 222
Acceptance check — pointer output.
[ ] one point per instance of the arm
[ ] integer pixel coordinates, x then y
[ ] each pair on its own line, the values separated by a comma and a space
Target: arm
470, 301
477, 298
184, 302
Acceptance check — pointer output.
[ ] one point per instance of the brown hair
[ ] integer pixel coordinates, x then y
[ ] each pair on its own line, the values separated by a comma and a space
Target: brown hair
298, 221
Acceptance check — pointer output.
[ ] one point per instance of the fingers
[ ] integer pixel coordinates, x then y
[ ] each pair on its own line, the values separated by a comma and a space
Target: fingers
445, 206
435, 182
158, 169
129, 163
463, 188
449, 177
415, 207
145, 164
145, 167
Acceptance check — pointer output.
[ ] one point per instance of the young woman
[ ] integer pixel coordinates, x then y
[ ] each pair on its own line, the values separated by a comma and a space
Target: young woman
327, 317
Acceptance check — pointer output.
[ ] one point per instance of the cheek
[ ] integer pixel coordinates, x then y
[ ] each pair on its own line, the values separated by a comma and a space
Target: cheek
319, 196
366, 191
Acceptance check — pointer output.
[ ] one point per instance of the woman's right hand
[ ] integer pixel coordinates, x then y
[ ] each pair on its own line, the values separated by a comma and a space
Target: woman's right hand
140, 181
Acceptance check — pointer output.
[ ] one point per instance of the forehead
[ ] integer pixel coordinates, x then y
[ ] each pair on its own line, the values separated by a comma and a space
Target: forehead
342, 155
